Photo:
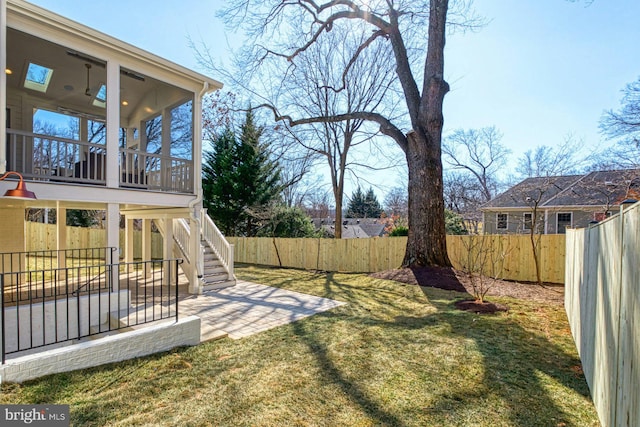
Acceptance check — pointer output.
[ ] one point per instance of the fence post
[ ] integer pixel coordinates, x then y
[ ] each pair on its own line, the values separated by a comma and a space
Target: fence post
615, 404
2, 315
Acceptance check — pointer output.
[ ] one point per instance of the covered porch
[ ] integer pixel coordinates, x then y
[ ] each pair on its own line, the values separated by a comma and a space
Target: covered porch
58, 120
79, 107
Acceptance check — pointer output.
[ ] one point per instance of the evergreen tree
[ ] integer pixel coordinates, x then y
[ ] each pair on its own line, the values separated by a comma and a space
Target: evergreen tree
258, 176
374, 209
454, 223
218, 182
288, 222
239, 180
364, 206
81, 218
356, 206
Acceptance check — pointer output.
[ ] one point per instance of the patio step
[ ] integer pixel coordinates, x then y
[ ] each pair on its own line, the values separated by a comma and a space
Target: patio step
215, 286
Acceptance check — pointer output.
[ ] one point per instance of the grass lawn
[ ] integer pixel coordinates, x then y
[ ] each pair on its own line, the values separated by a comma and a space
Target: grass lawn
394, 355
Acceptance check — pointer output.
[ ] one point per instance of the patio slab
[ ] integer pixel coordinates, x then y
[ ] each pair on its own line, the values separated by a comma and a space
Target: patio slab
248, 308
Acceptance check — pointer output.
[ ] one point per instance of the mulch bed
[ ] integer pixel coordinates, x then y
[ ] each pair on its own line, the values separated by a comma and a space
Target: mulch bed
480, 307
454, 280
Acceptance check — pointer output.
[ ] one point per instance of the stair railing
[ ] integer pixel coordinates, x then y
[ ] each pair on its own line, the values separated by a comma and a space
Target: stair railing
181, 236
215, 239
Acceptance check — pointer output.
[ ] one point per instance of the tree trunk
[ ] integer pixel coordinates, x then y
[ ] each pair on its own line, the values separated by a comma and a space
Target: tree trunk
427, 243
337, 230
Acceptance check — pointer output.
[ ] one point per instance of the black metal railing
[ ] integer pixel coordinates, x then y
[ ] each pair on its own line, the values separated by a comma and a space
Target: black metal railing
45, 274
53, 259
59, 307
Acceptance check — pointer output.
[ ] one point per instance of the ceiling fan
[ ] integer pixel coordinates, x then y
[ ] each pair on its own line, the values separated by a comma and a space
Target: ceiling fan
87, 91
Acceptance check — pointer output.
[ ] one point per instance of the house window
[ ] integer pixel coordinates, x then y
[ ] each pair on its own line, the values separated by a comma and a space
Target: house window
527, 220
563, 221
38, 77
501, 221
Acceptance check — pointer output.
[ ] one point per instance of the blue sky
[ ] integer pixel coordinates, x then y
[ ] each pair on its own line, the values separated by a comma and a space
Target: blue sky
540, 69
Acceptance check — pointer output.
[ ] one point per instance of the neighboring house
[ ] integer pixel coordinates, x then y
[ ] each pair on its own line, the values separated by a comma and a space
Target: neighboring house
352, 228
91, 122
559, 202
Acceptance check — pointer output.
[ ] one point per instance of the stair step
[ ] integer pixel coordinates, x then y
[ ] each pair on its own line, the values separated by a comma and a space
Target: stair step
218, 285
215, 277
214, 269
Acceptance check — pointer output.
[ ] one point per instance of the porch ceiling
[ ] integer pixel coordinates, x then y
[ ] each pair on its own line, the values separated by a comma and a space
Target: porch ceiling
67, 88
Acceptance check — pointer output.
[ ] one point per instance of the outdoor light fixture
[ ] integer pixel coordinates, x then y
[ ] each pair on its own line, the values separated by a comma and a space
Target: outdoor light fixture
20, 192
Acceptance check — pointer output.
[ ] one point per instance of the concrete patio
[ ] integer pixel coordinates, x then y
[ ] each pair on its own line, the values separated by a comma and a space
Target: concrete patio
248, 308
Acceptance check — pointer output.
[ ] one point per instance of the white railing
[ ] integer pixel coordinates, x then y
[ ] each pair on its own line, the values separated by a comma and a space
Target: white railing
154, 171
181, 235
54, 159
51, 158
215, 239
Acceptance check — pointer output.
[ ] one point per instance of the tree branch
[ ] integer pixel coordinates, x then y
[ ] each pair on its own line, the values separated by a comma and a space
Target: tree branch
386, 127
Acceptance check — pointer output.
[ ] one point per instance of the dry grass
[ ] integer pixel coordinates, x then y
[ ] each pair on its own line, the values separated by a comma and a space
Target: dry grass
394, 355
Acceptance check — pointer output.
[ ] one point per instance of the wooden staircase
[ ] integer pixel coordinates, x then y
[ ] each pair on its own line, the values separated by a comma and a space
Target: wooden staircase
215, 260
215, 274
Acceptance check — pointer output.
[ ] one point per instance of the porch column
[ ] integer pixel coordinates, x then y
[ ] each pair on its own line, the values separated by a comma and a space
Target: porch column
113, 124
113, 241
61, 235
146, 245
128, 241
130, 137
165, 152
195, 254
167, 246
3, 86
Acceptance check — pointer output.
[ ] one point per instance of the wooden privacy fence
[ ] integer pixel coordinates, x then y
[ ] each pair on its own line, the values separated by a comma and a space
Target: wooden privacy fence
602, 299
41, 237
345, 255
377, 254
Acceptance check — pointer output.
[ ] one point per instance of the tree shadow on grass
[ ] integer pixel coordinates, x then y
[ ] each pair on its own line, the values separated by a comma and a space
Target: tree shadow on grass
352, 389
515, 362
519, 366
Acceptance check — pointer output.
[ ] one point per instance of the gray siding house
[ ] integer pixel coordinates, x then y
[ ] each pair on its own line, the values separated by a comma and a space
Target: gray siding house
554, 203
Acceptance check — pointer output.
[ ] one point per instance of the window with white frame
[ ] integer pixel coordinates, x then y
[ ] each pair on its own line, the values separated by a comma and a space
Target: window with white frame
527, 221
501, 221
563, 220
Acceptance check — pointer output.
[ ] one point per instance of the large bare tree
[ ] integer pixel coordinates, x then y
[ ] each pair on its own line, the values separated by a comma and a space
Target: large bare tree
317, 87
479, 153
547, 161
623, 127
415, 31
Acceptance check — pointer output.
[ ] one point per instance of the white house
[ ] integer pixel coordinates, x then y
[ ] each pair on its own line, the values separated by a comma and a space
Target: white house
91, 122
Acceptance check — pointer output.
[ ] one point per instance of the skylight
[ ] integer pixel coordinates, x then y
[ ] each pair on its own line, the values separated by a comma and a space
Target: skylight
101, 97
38, 77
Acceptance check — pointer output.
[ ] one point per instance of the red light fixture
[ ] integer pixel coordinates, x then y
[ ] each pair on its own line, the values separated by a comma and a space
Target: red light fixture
20, 192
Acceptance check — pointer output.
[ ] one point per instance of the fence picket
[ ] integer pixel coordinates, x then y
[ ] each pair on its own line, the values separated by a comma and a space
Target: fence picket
346, 255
